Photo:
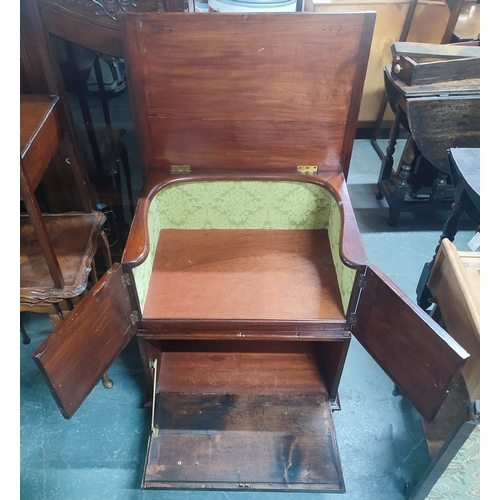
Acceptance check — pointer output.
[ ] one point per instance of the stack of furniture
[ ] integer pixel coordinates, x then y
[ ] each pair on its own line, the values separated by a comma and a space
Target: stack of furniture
440, 110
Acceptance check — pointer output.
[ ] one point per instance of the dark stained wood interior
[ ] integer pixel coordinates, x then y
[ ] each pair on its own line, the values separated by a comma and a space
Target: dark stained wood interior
266, 442
243, 274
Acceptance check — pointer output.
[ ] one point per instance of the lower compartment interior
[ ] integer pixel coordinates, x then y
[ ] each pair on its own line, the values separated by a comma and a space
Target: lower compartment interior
248, 366
239, 414
243, 441
247, 372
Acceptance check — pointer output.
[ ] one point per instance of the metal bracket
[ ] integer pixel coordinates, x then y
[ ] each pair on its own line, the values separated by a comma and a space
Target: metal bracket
362, 281
353, 318
154, 427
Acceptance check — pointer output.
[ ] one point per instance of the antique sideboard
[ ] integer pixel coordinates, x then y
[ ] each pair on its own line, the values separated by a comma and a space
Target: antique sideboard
244, 274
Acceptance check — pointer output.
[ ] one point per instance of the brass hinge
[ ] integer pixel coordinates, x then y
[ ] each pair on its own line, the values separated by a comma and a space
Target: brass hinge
307, 169
180, 169
134, 317
126, 281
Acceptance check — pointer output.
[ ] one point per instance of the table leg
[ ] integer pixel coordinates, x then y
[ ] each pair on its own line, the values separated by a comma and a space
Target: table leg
401, 187
388, 161
450, 229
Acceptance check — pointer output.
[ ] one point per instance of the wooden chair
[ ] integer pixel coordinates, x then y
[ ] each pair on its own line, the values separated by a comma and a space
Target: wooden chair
56, 250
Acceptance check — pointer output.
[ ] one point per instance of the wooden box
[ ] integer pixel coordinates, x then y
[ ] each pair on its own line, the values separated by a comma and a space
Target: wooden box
244, 274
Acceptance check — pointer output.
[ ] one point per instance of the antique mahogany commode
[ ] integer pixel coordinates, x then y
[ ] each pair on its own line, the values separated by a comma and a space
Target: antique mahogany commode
244, 274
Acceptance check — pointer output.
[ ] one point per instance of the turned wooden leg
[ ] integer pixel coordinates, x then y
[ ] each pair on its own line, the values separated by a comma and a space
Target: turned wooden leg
26, 338
388, 160
401, 188
107, 382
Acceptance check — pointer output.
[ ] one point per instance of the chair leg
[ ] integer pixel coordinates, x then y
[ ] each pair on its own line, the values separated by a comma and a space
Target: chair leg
26, 338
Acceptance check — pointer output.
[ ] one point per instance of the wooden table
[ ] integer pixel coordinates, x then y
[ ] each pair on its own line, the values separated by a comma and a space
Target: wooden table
437, 116
56, 250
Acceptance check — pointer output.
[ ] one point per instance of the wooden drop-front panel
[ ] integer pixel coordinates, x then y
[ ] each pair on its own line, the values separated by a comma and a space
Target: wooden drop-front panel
240, 441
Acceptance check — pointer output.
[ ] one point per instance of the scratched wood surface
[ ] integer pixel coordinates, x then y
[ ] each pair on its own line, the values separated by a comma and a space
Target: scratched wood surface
259, 442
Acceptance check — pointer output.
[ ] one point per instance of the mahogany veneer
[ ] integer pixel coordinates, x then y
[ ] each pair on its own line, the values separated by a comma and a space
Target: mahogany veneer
244, 274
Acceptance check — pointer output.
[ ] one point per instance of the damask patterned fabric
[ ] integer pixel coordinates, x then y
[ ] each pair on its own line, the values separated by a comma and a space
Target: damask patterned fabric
461, 478
244, 205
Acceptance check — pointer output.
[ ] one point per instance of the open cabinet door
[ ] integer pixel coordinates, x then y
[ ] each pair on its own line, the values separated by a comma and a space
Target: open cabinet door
420, 357
76, 355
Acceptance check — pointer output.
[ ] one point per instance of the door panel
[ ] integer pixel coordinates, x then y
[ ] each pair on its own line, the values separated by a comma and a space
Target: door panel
414, 351
77, 354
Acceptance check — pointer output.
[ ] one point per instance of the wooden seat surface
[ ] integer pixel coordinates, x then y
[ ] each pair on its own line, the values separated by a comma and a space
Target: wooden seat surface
243, 274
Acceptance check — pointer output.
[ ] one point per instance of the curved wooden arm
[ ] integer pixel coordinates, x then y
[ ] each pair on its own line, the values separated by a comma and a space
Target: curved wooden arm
352, 250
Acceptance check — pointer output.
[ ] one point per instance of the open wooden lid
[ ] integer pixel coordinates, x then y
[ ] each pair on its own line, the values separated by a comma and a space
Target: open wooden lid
259, 91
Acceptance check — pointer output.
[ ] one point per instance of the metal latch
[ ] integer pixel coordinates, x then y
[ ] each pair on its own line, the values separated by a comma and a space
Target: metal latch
154, 427
180, 169
307, 169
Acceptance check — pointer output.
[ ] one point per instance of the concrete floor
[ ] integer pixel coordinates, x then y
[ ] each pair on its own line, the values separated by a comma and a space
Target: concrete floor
99, 453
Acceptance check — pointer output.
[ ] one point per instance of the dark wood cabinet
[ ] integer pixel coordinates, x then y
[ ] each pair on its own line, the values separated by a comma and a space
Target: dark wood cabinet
244, 274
